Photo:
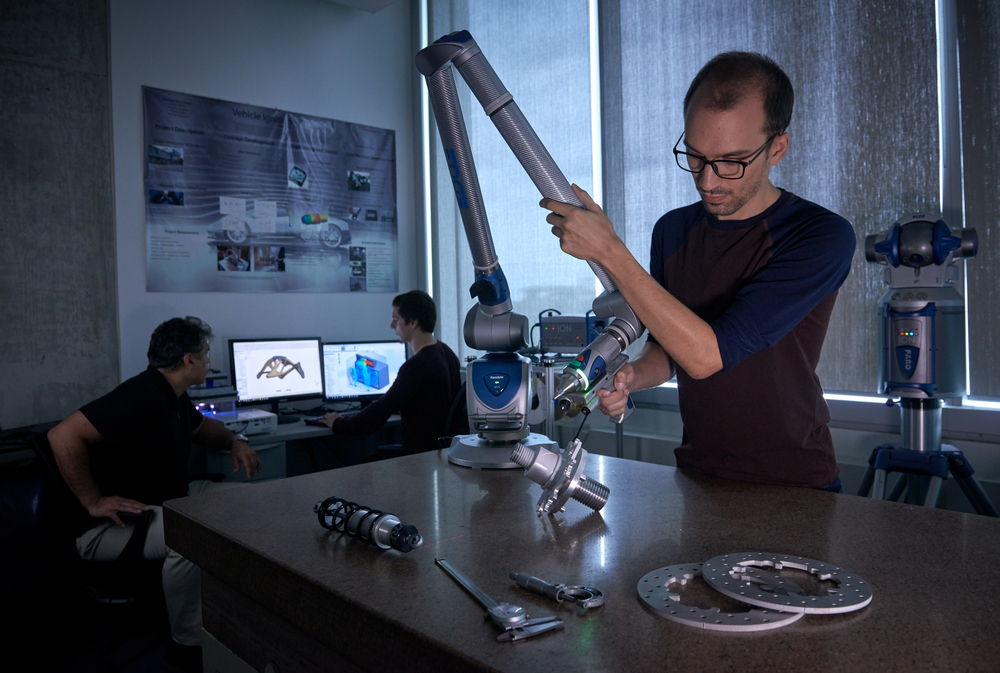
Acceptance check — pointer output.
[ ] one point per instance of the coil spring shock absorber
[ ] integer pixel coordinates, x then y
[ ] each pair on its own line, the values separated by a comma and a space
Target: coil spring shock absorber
382, 529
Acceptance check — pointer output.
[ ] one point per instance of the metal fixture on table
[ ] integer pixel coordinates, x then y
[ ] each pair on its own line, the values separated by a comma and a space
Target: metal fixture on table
561, 477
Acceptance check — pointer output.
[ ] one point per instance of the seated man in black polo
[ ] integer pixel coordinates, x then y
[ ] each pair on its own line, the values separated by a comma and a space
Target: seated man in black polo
425, 387
128, 452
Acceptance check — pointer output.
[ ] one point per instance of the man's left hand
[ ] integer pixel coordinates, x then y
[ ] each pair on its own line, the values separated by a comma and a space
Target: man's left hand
244, 455
584, 234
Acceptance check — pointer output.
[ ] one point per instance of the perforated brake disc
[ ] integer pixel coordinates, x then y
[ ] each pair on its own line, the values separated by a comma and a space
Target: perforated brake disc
654, 592
730, 573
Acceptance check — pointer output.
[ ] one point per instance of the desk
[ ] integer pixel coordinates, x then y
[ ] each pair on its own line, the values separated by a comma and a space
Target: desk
288, 432
272, 448
279, 588
283, 452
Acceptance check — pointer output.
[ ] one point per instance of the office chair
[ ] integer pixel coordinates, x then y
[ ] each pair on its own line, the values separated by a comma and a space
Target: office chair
457, 423
458, 418
129, 583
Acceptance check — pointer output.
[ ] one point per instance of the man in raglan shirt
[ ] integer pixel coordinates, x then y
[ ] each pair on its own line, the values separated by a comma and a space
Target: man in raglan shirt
740, 289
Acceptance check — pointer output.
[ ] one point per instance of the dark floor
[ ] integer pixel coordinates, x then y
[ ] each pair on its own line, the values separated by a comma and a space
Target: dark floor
142, 653
59, 631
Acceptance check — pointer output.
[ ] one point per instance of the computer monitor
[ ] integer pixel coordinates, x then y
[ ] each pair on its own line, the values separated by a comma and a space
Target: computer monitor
270, 371
361, 371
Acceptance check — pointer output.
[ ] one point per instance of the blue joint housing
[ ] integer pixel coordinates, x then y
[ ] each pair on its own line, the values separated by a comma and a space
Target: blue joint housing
458, 37
890, 246
490, 288
944, 242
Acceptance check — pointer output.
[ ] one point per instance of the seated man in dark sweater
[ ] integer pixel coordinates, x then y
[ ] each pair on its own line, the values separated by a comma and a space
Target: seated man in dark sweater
423, 391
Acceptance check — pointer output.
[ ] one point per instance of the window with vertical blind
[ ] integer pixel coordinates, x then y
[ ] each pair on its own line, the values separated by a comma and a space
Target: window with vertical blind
979, 67
846, 150
865, 140
551, 85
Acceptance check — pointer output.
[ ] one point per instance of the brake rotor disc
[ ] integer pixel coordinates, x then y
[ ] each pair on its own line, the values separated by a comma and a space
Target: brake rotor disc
732, 575
654, 592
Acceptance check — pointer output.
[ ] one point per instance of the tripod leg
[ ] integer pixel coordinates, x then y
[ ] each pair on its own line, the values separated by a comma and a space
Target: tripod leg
933, 492
866, 484
878, 490
977, 496
898, 488
963, 472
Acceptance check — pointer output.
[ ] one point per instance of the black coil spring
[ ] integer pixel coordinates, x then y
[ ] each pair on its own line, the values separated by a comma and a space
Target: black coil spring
335, 513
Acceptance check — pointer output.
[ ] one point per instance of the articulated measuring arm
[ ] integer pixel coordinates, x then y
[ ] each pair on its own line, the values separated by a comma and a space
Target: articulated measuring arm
492, 325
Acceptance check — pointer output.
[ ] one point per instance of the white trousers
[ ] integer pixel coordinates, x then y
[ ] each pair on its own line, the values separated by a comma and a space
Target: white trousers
181, 578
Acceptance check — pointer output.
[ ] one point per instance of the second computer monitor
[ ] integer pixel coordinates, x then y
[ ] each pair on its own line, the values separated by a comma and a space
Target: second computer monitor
361, 371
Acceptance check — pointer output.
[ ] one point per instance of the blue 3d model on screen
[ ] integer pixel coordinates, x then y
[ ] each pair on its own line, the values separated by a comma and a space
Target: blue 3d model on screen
368, 371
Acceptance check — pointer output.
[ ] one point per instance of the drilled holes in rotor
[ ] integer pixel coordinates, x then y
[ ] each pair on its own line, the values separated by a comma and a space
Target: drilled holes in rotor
687, 591
784, 582
668, 591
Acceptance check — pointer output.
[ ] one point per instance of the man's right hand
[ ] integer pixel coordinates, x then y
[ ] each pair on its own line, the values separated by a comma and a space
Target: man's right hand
109, 506
329, 418
613, 401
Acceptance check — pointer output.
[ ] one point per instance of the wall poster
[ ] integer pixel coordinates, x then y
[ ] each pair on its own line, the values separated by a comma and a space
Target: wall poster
241, 198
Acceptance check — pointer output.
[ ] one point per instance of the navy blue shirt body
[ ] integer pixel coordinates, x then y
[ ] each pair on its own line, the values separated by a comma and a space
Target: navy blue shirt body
767, 286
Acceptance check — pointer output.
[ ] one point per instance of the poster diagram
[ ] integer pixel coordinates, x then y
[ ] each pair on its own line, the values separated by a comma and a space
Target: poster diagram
241, 198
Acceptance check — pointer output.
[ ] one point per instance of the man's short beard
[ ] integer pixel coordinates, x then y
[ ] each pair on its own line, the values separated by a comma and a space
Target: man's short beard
732, 207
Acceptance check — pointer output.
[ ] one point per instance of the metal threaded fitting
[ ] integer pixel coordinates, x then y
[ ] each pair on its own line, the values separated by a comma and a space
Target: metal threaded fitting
560, 474
593, 494
522, 455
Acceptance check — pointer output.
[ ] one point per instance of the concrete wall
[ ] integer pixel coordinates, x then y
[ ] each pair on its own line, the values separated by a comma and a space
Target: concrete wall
307, 56
59, 339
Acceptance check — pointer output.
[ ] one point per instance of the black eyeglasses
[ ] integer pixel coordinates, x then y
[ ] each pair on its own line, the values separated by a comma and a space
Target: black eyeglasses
727, 169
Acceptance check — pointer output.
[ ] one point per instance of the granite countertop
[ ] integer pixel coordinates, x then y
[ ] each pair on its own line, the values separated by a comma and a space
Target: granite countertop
935, 603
